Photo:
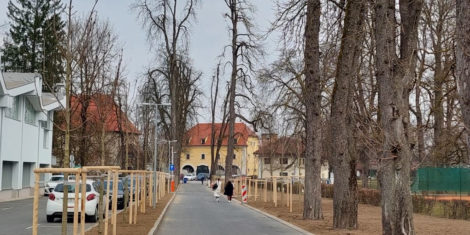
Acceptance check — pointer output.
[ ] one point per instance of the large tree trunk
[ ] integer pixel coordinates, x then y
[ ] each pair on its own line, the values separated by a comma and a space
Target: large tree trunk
233, 84
463, 62
345, 198
312, 196
394, 76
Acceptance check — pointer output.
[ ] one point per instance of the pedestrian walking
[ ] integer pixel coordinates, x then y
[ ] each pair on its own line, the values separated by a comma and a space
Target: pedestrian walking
202, 180
229, 191
216, 188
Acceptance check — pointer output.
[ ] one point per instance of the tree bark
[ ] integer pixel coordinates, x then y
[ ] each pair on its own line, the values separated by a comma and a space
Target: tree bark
233, 83
395, 75
312, 196
344, 157
463, 62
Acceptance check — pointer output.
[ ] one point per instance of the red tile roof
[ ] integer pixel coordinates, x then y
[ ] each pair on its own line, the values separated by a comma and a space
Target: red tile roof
282, 146
203, 131
101, 107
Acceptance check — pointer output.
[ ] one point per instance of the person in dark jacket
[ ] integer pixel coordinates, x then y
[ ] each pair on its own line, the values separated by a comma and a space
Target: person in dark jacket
229, 191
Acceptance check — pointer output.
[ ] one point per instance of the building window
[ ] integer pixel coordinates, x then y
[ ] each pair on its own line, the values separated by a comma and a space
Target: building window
284, 160
235, 141
203, 156
284, 174
218, 156
187, 156
203, 141
302, 161
267, 160
14, 111
234, 156
29, 114
45, 140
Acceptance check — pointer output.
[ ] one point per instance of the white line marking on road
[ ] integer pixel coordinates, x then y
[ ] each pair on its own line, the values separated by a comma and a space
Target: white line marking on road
6, 208
30, 227
44, 226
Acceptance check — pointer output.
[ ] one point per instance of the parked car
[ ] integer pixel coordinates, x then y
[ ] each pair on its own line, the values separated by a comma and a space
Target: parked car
120, 195
54, 203
190, 176
52, 183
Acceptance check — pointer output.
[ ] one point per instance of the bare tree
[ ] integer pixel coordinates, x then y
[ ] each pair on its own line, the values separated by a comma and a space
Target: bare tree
395, 75
463, 62
312, 196
217, 134
169, 21
244, 51
344, 155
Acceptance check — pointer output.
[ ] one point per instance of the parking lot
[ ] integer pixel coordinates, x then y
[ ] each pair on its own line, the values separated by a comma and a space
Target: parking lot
16, 218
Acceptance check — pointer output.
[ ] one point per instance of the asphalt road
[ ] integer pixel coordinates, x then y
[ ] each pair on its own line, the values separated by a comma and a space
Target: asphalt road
16, 218
194, 211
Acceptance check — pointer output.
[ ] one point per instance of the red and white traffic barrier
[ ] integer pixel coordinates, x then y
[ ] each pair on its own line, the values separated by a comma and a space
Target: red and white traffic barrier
244, 194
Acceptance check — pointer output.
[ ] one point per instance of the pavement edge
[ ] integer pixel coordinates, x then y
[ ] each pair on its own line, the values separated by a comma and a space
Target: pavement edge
160, 218
275, 218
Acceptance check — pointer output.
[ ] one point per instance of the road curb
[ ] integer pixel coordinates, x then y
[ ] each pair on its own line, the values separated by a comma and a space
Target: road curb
276, 218
160, 218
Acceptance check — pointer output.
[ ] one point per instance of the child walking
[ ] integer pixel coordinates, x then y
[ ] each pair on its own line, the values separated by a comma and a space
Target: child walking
216, 188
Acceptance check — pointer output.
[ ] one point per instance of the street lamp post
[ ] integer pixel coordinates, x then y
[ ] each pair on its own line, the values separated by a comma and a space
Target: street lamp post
154, 201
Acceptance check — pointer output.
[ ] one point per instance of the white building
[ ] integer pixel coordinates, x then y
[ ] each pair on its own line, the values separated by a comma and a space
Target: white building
26, 115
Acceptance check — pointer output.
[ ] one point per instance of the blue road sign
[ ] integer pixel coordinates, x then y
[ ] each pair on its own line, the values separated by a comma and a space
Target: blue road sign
172, 167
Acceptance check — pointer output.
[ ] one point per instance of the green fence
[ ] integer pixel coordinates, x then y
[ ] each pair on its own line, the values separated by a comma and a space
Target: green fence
435, 179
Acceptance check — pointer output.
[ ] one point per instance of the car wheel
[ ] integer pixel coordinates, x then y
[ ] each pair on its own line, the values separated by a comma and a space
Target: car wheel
92, 218
50, 218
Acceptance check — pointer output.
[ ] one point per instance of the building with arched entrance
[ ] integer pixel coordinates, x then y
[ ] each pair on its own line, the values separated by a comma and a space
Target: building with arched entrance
197, 149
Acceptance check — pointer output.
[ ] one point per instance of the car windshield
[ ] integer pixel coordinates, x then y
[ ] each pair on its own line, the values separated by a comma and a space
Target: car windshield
57, 178
71, 188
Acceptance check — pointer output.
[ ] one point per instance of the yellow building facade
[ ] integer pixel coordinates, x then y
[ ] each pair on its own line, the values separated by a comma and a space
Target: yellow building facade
196, 154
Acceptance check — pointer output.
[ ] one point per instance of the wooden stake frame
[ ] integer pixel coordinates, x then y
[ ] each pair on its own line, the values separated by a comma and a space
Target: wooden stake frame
109, 170
76, 172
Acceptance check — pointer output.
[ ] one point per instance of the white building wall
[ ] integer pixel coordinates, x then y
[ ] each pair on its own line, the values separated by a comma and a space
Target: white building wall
11, 139
22, 143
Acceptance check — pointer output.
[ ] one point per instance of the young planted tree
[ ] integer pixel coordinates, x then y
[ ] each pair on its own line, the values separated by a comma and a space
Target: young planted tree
344, 154
395, 76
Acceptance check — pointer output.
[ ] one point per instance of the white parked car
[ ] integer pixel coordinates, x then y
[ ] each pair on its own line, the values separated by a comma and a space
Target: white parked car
54, 203
190, 176
52, 183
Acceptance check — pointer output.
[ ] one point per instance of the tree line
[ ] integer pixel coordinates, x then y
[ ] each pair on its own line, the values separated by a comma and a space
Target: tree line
357, 81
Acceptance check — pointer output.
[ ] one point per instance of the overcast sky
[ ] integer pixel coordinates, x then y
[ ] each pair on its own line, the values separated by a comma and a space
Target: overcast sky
208, 35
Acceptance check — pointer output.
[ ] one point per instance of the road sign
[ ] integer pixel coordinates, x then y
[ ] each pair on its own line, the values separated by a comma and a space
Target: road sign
172, 167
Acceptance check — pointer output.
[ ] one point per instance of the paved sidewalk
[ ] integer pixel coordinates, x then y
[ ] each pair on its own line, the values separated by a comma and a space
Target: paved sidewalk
195, 212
